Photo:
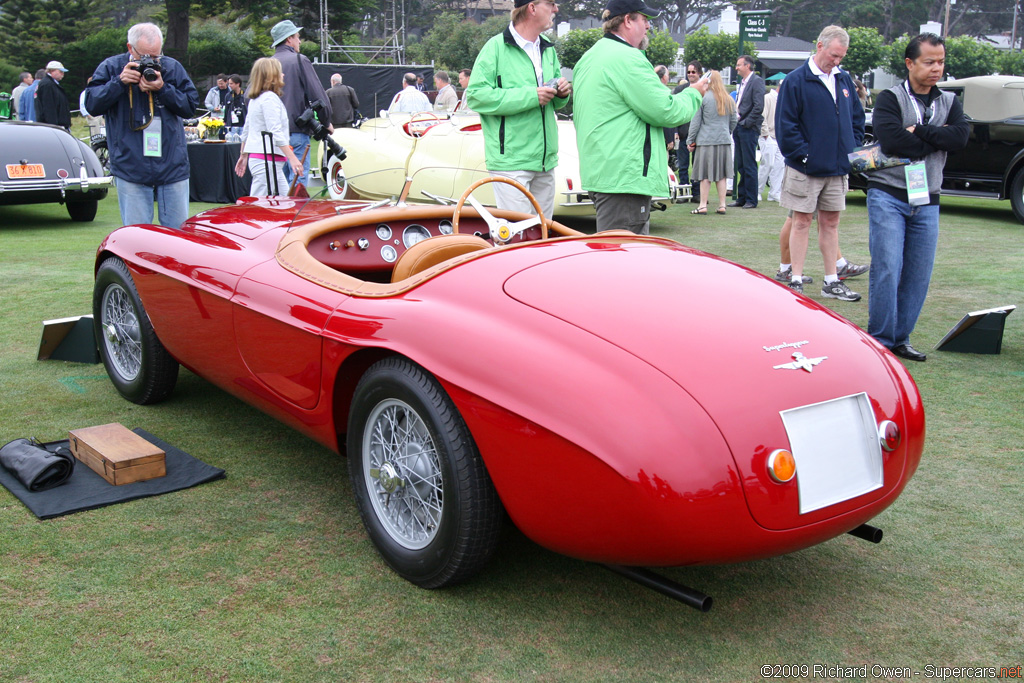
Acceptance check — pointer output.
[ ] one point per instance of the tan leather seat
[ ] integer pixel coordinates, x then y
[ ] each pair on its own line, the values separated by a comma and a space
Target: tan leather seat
435, 250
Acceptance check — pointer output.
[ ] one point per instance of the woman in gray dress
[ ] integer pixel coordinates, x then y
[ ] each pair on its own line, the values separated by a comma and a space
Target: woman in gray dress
710, 140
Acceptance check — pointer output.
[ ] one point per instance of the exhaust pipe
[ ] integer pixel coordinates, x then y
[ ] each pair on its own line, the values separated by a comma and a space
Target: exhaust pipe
665, 586
867, 532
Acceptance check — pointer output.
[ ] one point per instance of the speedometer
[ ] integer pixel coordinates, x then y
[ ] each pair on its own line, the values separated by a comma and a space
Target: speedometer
413, 234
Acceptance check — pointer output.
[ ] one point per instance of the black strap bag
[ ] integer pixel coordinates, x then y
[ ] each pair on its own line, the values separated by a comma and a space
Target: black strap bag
37, 467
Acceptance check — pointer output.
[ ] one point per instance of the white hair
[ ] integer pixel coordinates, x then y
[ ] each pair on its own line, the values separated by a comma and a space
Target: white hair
148, 32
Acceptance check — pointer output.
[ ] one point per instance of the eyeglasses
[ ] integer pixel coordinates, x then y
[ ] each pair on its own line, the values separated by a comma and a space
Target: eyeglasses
691, 71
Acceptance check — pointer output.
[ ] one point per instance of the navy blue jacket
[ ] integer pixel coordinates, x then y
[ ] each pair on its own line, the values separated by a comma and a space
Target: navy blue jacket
814, 132
107, 96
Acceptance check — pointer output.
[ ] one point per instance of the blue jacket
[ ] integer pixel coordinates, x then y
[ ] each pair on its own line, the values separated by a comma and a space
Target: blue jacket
814, 132
27, 103
126, 108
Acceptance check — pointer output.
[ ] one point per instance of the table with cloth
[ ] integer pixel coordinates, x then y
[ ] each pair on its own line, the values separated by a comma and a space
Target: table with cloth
212, 173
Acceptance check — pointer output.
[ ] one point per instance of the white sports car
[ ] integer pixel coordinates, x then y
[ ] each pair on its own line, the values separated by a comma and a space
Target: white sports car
444, 154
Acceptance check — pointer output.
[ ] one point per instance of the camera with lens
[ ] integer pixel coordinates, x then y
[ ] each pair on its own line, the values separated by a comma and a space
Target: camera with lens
309, 124
149, 67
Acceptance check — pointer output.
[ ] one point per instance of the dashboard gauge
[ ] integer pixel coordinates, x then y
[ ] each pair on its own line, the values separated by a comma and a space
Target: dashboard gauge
388, 253
384, 232
445, 227
413, 234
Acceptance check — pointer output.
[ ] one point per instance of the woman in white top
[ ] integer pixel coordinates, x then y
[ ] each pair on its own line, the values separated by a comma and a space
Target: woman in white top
266, 113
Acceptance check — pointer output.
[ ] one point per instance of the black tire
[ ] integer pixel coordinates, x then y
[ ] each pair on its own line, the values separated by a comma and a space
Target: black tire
82, 212
1017, 195
103, 154
423, 492
138, 364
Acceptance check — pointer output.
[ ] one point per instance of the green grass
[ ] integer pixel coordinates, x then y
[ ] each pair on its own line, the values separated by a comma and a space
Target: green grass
268, 575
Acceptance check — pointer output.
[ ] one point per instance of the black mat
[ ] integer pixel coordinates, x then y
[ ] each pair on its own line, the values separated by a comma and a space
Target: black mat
86, 490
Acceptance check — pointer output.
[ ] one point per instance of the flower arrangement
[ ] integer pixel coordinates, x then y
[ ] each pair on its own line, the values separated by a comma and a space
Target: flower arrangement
210, 128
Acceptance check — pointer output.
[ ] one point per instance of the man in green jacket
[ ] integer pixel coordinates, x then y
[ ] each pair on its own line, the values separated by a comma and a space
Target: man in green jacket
515, 86
619, 109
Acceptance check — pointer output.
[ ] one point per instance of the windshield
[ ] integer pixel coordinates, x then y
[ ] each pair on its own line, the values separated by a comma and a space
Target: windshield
433, 186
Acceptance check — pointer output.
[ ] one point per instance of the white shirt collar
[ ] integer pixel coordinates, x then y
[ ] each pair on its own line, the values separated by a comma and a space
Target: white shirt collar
817, 71
523, 42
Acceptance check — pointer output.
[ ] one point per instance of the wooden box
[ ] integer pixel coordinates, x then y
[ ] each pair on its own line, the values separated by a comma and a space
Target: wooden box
117, 454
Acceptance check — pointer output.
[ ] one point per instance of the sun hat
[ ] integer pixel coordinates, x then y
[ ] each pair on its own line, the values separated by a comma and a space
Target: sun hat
283, 30
55, 65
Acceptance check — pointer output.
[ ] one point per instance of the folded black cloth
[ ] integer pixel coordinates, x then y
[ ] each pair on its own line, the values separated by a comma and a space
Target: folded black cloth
35, 466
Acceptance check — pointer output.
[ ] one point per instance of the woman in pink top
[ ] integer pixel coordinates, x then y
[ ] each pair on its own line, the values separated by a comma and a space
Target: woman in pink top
266, 114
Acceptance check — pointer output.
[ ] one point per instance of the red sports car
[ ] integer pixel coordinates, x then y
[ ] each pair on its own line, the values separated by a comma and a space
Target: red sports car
624, 399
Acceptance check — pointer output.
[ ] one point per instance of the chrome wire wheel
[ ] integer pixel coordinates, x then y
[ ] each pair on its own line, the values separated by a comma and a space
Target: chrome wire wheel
120, 332
402, 473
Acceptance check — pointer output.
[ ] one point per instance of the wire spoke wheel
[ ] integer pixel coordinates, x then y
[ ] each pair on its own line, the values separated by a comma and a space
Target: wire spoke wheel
424, 495
137, 363
403, 474
120, 334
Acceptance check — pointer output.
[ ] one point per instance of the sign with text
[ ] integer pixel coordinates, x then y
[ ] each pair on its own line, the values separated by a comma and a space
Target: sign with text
755, 26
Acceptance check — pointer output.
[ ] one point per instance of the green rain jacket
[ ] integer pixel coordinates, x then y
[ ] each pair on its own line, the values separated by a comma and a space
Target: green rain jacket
619, 107
519, 134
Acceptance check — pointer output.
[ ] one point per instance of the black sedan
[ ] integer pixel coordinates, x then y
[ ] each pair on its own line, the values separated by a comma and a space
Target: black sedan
40, 163
992, 164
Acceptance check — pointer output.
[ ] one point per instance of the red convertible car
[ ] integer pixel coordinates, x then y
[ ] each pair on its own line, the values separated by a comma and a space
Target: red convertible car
624, 399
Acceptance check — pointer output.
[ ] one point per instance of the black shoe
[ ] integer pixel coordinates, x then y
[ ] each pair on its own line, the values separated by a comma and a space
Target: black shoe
750, 206
909, 352
736, 204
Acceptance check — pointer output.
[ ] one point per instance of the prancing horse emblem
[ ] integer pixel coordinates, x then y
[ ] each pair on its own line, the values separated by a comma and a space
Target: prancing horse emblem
800, 361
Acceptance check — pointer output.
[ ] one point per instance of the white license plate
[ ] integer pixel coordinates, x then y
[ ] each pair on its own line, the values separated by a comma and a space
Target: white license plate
836, 448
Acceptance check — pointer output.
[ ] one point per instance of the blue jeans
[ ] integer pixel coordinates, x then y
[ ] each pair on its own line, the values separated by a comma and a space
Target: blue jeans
902, 239
299, 143
136, 202
746, 165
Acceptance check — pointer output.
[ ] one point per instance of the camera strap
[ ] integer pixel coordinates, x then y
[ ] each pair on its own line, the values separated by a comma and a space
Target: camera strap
131, 109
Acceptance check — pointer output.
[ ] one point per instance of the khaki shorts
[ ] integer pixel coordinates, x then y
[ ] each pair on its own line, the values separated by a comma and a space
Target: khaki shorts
808, 194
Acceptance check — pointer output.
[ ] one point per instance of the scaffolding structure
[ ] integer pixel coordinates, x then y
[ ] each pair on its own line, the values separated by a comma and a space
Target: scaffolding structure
392, 51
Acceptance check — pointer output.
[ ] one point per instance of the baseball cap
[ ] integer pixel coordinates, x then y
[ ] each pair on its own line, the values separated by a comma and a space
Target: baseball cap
54, 65
283, 30
617, 7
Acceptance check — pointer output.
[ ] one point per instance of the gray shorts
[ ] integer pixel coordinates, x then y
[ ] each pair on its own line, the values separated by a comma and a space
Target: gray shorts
623, 212
808, 194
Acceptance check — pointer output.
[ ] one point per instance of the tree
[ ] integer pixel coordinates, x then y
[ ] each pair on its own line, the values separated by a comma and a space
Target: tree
662, 48
867, 50
895, 63
36, 31
1011, 63
573, 44
713, 51
453, 43
966, 57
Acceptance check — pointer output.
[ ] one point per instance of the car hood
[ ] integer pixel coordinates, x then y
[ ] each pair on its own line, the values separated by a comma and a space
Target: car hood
727, 336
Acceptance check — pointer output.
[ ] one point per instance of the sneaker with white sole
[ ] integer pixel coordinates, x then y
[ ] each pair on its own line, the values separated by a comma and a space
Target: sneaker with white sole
787, 275
851, 270
797, 287
839, 290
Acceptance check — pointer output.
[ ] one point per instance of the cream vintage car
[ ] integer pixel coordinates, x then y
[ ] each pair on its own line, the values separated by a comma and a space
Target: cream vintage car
444, 154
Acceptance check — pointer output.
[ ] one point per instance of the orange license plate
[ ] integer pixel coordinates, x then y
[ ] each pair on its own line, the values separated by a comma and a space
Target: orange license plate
16, 171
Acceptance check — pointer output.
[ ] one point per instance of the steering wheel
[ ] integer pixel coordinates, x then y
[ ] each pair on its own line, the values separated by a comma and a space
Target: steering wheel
420, 122
501, 230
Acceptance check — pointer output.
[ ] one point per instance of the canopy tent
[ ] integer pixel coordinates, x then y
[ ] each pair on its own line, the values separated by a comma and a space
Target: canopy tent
776, 77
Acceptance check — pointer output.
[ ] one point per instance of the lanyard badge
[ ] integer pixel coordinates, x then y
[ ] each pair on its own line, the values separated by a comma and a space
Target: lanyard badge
151, 143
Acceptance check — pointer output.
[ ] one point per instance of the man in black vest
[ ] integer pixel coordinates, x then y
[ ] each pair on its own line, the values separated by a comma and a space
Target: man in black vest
916, 120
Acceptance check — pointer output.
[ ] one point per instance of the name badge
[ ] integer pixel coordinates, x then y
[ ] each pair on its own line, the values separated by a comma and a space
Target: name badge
151, 143
917, 184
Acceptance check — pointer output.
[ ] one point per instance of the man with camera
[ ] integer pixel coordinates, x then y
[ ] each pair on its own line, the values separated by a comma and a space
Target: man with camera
144, 97
301, 86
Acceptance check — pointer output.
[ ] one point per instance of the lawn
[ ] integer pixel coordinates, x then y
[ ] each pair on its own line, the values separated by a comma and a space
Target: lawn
268, 575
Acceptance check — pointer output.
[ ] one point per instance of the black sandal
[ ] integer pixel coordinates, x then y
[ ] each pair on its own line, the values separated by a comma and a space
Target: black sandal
700, 212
